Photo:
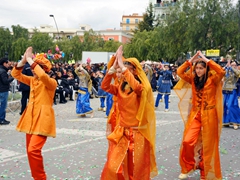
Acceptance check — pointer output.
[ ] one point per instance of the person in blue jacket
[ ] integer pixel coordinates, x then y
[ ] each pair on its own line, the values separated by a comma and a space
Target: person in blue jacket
25, 89
164, 86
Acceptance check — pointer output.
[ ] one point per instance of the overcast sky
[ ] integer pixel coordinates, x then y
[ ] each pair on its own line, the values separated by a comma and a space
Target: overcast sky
99, 14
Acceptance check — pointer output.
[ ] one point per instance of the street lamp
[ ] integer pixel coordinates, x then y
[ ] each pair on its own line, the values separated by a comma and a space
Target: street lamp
238, 53
51, 15
62, 34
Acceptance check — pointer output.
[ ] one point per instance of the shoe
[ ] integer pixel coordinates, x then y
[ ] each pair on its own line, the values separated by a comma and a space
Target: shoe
185, 176
226, 125
20, 113
166, 110
104, 109
106, 116
63, 102
4, 122
155, 108
55, 103
100, 109
71, 100
83, 115
235, 126
160, 100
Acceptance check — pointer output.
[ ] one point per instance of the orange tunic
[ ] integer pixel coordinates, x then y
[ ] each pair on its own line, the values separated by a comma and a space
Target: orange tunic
210, 108
38, 117
127, 103
114, 112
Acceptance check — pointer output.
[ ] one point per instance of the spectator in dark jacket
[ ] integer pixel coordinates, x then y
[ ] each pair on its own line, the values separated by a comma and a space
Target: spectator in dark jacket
5, 80
59, 90
65, 85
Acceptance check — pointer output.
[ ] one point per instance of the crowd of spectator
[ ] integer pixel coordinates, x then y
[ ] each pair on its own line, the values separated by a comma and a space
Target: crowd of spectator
68, 81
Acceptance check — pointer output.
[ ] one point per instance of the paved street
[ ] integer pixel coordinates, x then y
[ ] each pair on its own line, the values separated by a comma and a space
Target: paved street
79, 150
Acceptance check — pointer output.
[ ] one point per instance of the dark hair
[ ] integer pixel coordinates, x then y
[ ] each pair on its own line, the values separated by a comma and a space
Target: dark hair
129, 64
125, 83
3, 60
199, 83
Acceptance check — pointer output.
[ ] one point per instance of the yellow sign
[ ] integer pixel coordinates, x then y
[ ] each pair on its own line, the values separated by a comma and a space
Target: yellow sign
213, 52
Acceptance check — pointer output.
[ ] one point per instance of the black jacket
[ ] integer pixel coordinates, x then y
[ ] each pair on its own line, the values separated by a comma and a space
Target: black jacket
5, 80
27, 71
65, 83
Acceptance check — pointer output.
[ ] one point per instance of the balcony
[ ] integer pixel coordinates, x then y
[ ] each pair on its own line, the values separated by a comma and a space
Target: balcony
128, 24
164, 5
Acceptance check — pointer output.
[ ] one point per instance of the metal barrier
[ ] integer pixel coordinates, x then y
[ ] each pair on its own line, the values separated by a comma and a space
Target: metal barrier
12, 92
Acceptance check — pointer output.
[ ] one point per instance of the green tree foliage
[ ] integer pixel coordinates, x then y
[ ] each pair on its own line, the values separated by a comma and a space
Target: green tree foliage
20, 42
76, 48
111, 46
19, 32
5, 41
18, 48
206, 24
148, 20
65, 45
41, 42
90, 40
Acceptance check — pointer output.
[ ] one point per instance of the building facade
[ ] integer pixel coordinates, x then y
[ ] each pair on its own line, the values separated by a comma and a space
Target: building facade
107, 35
162, 8
130, 22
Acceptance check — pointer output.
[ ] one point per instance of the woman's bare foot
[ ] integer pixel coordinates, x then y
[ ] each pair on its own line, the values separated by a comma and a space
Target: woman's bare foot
91, 115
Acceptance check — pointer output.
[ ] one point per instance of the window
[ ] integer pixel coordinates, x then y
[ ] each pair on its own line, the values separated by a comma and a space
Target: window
69, 37
83, 28
110, 38
136, 21
127, 28
127, 21
163, 16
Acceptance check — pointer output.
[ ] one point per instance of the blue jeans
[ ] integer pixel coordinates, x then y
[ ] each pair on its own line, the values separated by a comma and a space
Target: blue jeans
109, 103
102, 102
3, 105
166, 98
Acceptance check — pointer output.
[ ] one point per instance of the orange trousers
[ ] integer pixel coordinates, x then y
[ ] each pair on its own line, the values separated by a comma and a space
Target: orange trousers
129, 158
34, 144
129, 135
189, 142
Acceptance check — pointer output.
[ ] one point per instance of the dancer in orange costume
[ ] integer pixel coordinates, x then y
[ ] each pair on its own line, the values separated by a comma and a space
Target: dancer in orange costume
114, 112
202, 116
133, 154
37, 120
